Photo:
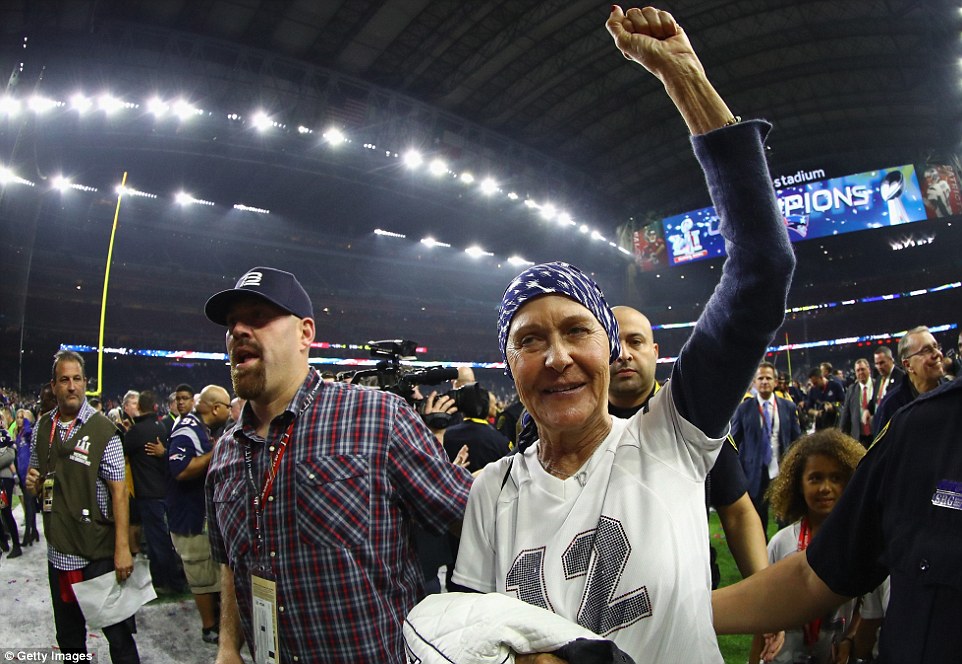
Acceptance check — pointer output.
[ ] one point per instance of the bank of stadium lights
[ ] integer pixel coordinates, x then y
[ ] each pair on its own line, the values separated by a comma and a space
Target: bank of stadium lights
184, 110
110, 104
185, 199
517, 261
135, 193
475, 251
7, 176
250, 208
40, 104
430, 242
62, 184
261, 121
381, 231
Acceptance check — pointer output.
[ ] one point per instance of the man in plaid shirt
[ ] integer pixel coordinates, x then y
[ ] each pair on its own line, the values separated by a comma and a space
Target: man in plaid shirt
312, 495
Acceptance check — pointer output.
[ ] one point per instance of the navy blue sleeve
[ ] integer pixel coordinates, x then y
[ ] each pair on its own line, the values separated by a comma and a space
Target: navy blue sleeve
717, 363
728, 482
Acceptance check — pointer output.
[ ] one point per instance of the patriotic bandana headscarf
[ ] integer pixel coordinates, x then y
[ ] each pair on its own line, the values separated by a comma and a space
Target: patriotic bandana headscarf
561, 279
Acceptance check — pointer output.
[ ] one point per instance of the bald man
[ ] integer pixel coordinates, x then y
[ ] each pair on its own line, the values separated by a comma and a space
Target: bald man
632, 385
189, 455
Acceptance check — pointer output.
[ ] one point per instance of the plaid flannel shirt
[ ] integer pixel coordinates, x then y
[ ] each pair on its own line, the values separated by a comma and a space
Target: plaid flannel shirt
360, 468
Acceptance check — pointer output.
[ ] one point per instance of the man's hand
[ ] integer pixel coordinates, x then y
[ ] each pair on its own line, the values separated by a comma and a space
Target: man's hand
33, 481
772, 645
653, 39
123, 564
439, 404
462, 458
155, 448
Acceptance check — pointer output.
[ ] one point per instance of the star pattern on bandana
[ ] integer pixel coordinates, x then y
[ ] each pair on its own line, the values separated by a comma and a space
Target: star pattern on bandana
563, 279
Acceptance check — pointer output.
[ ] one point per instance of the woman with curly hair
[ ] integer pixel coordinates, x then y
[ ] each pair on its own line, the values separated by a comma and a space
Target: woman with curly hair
811, 478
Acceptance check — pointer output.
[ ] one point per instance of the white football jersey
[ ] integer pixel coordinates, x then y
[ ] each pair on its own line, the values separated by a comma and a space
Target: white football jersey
621, 547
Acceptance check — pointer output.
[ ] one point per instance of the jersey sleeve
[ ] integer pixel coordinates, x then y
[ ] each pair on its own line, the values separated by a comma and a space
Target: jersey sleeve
183, 446
475, 567
717, 363
663, 433
728, 482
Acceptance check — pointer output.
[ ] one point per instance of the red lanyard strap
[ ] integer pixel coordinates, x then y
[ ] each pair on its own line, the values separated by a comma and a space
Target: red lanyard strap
260, 497
54, 423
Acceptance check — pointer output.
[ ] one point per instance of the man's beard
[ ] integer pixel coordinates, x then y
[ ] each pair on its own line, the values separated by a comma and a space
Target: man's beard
249, 383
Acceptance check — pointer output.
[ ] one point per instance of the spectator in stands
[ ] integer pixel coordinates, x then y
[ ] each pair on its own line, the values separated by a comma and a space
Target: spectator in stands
859, 405
189, 455
151, 479
899, 516
814, 473
77, 550
632, 386
630, 481
763, 429
921, 358
888, 373
316, 491
824, 399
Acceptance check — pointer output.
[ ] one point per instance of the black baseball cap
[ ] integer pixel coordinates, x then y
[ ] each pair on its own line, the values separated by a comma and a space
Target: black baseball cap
276, 286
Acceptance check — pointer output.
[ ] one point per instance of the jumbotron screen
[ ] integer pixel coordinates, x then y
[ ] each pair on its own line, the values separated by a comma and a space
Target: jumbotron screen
863, 201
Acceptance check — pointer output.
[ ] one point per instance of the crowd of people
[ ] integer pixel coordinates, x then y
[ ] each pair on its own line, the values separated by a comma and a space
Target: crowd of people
308, 517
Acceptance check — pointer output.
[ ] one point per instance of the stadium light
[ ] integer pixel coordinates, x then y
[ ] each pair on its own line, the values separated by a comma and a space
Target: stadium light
60, 183
413, 159
477, 252
183, 198
261, 121
488, 186
41, 104
7, 176
467, 178
438, 168
430, 242
548, 212
109, 104
380, 231
565, 219
334, 137
250, 208
518, 261
9, 106
184, 110
157, 107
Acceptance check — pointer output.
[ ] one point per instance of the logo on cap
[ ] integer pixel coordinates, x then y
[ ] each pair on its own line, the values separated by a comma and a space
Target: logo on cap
250, 279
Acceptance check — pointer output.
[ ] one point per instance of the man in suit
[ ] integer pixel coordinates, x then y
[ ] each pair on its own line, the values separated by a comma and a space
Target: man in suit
859, 405
888, 373
763, 427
